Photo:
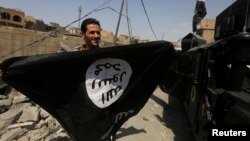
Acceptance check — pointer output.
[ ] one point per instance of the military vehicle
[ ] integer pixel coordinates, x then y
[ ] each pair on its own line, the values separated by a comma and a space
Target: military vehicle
213, 80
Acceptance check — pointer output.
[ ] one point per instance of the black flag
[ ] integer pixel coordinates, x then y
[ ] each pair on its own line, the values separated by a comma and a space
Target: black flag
91, 93
199, 13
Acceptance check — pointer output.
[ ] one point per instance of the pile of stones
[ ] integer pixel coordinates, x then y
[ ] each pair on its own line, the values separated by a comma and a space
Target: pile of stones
23, 120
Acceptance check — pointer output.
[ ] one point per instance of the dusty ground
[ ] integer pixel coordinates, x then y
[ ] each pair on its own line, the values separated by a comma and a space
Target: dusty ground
162, 119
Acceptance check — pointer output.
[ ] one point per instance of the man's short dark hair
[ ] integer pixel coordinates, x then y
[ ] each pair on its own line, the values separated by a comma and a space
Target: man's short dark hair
88, 21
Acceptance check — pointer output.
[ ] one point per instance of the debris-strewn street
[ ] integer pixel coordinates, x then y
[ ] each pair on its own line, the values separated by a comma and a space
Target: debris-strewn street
162, 119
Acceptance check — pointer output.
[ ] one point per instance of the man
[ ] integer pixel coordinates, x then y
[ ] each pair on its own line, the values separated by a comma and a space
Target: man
91, 34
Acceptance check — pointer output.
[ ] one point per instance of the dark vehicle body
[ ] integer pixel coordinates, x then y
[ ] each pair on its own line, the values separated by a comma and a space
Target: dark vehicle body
213, 80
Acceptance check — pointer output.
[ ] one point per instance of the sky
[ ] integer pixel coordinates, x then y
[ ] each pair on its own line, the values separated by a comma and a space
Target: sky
170, 19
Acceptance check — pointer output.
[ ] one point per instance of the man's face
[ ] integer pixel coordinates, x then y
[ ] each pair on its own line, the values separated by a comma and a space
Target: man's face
92, 36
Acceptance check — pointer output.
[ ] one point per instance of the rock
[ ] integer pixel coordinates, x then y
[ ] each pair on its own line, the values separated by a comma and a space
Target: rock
52, 122
2, 124
14, 110
12, 134
13, 94
10, 116
35, 135
29, 114
19, 99
24, 125
60, 137
4, 105
41, 123
5, 102
43, 114
3, 97
23, 138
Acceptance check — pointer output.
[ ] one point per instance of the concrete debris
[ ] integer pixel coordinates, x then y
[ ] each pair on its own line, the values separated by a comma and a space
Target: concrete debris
26, 124
30, 114
19, 99
2, 97
12, 134
5, 102
44, 114
23, 138
23, 120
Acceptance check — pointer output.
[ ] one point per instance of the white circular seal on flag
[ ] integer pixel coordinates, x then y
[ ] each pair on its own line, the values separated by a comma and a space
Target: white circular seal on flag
106, 80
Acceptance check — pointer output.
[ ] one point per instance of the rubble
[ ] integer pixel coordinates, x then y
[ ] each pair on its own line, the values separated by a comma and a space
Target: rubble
23, 120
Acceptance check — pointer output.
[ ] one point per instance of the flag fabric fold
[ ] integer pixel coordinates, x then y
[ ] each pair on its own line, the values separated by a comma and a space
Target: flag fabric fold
199, 13
91, 93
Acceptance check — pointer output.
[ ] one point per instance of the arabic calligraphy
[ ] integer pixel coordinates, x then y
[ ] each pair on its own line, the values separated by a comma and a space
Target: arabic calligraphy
106, 80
